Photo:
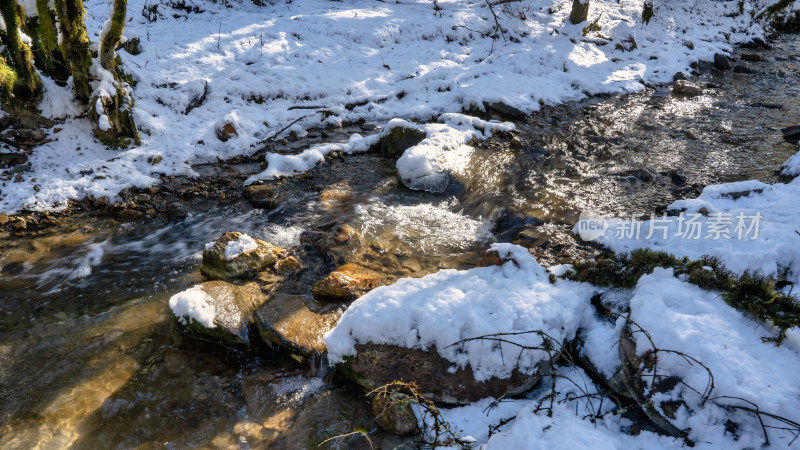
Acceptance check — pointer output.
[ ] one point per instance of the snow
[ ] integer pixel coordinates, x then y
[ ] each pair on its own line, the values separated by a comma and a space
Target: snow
749, 225
193, 305
792, 165
382, 60
235, 248
438, 310
680, 316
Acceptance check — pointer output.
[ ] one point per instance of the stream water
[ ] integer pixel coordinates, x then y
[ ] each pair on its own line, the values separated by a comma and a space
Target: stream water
90, 357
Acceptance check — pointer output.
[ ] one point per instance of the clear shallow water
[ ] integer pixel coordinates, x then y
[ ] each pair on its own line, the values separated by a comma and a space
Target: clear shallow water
90, 357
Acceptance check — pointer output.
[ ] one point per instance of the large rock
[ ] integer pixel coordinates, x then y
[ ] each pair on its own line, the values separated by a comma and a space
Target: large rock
235, 255
375, 365
218, 310
287, 320
396, 140
347, 282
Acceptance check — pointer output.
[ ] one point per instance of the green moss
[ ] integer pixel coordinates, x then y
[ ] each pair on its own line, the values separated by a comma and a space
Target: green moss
8, 77
27, 84
753, 295
75, 45
47, 40
345, 370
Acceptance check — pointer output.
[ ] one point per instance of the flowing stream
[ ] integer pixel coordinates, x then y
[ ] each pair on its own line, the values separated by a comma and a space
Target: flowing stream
90, 357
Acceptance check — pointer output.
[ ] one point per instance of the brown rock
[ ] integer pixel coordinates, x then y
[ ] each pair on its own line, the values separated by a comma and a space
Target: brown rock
686, 88
375, 365
262, 196
396, 140
217, 266
288, 265
347, 282
286, 320
3, 218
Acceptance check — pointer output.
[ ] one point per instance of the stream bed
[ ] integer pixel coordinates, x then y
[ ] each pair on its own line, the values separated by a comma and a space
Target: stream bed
90, 356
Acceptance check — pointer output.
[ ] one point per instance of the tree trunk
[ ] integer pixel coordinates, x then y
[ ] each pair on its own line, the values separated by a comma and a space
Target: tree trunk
48, 53
75, 45
27, 83
112, 113
112, 36
580, 11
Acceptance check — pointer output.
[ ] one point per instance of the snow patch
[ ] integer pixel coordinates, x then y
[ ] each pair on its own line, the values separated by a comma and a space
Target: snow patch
193, 304
235, 248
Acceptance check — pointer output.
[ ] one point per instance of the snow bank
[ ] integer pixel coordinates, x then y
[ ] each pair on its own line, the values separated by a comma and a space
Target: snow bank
193, 304
680, 316
749, 225
359, 59
438, 310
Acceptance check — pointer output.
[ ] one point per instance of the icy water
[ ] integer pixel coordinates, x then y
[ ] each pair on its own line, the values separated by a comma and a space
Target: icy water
89, 356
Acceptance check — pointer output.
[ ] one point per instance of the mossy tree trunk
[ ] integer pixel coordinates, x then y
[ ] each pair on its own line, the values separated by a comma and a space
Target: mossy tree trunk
112, 113
48, 54
75, 45
26, 82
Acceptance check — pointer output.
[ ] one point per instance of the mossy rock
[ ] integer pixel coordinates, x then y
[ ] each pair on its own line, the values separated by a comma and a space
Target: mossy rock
398, 140
217, 266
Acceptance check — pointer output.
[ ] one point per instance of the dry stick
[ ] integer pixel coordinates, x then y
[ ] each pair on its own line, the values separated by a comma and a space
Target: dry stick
496, 21
342, 436
219, 34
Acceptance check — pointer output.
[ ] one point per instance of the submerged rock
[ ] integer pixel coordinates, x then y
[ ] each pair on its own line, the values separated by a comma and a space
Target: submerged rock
347, 282
375, 365
287, 320
235, 255
218, 310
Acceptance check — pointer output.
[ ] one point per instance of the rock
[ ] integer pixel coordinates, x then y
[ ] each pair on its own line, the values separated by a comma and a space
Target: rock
18, 224
130, 214
392, 411
688, 44
679, 76
504, 109
398, 139
330, 414
644, 174
375, 365
217, 266
722, 62
3, 218
752, 57
287, 320
687, 88
102, 202
691, 135
153, 160
12, 159
791, 134
287, 266
341, 242
742, 69
347, 282
262, 196
226, 131
232, 307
